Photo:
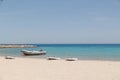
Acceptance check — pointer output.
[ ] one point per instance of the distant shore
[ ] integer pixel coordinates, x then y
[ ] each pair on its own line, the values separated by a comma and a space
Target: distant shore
16, 46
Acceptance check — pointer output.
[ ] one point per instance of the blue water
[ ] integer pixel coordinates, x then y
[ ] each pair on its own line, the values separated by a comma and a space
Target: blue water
81, 51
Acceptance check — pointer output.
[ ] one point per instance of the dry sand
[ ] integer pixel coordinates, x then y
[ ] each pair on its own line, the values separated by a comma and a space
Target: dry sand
43, 69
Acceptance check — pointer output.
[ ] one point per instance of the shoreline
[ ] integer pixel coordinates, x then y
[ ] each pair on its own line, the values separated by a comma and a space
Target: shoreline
61, 58
43, 69
17, 46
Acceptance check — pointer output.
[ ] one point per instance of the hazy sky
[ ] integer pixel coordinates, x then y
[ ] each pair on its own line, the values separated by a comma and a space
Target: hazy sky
60, 21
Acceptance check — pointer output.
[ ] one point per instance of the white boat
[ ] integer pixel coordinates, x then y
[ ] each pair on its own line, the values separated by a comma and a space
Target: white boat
29, 53
71, 59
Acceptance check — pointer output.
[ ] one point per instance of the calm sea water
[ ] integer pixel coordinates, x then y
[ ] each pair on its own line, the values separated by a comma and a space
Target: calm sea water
81, 51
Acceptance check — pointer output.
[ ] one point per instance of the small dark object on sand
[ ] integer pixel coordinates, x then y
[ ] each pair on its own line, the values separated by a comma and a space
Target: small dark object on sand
9, 57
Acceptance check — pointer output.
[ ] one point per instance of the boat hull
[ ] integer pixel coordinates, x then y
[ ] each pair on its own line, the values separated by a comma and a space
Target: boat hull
30, 53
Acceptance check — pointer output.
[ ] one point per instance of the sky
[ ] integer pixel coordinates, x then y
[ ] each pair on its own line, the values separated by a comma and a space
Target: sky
60, 21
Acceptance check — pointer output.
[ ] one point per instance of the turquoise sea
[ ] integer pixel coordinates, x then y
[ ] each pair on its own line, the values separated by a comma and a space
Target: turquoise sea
81, 51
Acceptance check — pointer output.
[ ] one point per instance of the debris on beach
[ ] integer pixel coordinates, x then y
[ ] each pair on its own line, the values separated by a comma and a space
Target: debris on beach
71, 59
53, 58
9, 57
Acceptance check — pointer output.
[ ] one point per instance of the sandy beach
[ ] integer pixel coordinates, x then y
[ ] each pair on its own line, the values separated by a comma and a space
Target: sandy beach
43, 69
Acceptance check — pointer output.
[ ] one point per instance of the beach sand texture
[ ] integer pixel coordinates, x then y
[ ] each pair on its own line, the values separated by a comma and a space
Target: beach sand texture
43, 69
